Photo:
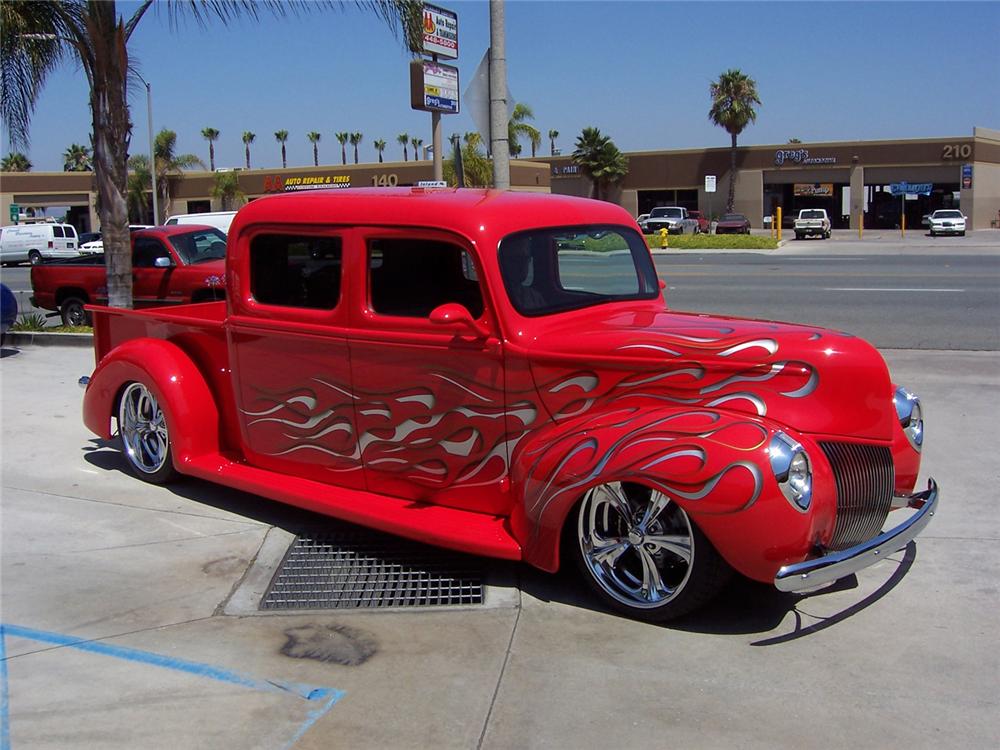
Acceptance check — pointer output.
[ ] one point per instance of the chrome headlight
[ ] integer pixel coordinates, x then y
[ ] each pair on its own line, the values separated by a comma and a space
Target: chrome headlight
791, 467
911, 417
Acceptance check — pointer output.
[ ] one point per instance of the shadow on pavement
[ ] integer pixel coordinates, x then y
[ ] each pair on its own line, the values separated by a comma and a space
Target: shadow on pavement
742, 607
8, 352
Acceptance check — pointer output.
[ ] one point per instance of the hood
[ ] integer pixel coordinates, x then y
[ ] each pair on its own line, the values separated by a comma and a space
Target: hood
811, 379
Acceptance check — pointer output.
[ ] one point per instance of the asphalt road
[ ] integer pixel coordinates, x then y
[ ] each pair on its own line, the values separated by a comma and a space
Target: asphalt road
913, 295
894, 301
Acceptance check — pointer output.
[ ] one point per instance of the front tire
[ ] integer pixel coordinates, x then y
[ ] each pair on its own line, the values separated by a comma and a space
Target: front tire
34, 257
642, 555
145, 438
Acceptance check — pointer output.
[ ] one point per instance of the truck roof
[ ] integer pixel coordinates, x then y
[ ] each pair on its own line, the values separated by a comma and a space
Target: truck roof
467, 211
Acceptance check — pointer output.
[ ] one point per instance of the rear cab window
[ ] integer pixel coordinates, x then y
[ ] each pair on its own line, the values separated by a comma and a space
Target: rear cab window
296, 270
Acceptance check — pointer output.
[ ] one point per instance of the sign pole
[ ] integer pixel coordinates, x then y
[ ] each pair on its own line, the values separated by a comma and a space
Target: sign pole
436, 140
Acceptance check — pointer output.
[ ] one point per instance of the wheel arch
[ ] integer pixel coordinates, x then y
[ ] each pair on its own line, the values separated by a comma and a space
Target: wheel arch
64, 293
179, 386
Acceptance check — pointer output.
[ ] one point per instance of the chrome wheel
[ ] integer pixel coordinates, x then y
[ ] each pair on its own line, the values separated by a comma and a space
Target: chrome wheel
143, 429
637, 545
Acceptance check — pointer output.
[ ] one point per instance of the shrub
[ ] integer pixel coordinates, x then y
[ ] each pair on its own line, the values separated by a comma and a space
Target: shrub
29, 322
714, 242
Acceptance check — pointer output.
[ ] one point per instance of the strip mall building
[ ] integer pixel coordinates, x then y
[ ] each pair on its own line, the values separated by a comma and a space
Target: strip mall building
851, 180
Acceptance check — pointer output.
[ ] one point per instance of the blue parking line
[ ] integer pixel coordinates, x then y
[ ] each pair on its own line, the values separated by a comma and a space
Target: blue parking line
4, 697
327, 696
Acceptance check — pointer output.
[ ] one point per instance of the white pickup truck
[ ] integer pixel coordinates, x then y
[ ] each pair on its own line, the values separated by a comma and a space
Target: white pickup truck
674, 219
812, 221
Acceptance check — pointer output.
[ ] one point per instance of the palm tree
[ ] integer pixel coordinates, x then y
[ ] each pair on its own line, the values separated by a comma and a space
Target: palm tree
553, 134
416, 143
227, 189
518, 126
248, 138
600, 160
168, 163
342, 140
477, 170
138, 185
39, 36
379, 147
733, 98
281, 136
211, 135
314, 140
355, 139
404, 139
15, 161
76, 158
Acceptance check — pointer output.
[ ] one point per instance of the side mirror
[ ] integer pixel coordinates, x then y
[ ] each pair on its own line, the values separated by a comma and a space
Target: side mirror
163, 263
455, 315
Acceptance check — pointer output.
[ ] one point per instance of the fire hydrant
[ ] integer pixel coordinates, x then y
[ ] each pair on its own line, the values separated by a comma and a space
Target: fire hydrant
664, 242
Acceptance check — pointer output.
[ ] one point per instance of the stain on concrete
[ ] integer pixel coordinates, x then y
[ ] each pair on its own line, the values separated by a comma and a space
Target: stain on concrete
225, 566
337, 644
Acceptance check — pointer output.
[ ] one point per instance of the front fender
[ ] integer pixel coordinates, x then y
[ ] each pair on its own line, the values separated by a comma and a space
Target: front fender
714, 464
179, 387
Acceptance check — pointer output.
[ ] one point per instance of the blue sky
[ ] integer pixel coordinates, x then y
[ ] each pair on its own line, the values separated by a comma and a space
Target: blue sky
639, 71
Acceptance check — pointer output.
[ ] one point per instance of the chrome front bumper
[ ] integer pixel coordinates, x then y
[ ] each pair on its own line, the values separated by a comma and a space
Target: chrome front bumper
835, 565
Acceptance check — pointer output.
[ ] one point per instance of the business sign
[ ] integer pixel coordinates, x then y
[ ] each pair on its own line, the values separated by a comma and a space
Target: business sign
432, 184
911, 188
814, 189
966, 177
433, 87
280, 184
15, 211
440, 29
710, 183
801, 156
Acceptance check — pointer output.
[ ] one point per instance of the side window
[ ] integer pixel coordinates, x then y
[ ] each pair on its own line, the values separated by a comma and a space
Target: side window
296, 270
409, 278
70, 231
57, 231
146, 252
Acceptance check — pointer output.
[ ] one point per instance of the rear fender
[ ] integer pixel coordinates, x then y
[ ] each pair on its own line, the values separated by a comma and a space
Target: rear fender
713, 464
179, 387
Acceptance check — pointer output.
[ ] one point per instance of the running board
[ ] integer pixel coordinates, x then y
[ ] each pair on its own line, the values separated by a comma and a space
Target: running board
461, 530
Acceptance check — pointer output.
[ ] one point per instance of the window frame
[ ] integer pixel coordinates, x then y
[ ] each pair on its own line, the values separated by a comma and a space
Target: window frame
372, 320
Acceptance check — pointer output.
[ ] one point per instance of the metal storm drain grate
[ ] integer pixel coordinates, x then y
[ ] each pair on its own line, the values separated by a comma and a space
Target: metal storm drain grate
359, 569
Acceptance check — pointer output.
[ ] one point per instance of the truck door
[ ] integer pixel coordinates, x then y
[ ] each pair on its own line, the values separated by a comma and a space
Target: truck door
430, 397
150, 284
289, 355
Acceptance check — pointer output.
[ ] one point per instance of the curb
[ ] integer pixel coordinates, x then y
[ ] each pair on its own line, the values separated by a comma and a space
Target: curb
38, 338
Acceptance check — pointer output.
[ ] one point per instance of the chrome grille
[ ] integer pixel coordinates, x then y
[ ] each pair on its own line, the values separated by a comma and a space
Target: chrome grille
865, 478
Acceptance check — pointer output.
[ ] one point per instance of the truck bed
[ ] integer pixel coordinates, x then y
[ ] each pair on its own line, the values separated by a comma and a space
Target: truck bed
181, 324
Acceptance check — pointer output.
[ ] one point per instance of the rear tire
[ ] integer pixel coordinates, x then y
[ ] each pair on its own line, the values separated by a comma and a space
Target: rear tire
72, 313
145, 438
641, 554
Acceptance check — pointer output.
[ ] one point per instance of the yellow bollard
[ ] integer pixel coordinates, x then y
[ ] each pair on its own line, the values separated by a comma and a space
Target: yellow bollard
664, 242
902, 227
779, 223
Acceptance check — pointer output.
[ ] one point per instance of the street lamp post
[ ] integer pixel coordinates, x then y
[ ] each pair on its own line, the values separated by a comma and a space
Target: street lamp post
152, 156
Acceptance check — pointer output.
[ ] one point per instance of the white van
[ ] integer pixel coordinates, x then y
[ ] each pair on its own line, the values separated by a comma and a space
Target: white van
34, 243
218, 219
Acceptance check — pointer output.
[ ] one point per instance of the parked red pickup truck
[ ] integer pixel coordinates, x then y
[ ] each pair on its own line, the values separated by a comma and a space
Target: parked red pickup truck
170, 265
497, 373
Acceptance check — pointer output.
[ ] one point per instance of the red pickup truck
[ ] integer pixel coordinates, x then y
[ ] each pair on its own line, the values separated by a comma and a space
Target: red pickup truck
497, 373
170, 265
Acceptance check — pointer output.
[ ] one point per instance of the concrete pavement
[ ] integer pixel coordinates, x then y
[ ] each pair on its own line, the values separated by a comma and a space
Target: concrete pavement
114, 593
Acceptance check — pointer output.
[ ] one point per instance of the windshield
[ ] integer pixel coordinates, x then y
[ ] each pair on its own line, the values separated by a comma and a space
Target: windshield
734, 217
812, 215
552, 270
670, 213
947, 214
200, 245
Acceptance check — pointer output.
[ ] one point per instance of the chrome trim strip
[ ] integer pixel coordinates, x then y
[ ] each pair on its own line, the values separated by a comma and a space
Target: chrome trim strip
835, 565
